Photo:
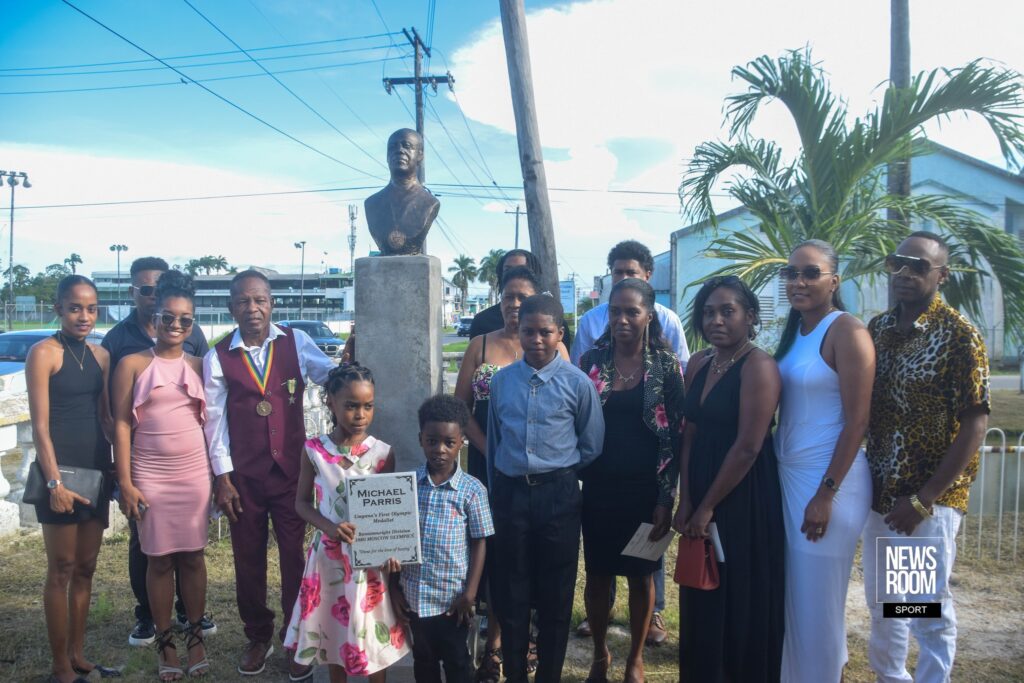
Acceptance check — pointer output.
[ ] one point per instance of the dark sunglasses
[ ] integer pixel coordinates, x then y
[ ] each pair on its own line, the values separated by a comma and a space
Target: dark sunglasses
167, 319
146, 290
895, 263
808, 273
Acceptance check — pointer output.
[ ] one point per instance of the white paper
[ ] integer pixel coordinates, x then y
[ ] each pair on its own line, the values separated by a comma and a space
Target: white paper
644, 548
716, 541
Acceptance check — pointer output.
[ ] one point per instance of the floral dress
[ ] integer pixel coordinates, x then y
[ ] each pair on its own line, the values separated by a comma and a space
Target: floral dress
343, 616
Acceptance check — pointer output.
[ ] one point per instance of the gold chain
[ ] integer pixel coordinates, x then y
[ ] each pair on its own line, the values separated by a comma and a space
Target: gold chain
85, 350
719, 368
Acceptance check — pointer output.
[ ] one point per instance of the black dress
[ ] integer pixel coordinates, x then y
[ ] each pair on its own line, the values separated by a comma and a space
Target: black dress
620, 488
735, 632
75, 431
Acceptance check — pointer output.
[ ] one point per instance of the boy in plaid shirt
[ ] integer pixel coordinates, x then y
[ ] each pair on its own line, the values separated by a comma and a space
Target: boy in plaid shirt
455, 518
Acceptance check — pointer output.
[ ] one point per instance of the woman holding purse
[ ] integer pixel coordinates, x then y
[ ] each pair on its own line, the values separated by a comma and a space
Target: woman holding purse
728, 477
67, 393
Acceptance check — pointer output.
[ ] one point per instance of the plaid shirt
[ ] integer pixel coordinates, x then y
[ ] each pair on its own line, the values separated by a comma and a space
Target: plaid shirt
450, 514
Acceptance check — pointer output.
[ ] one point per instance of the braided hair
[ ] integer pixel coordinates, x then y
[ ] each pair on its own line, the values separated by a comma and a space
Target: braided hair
339, 378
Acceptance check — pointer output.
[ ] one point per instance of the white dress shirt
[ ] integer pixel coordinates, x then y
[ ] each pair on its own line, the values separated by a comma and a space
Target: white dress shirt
593, 323
315, 366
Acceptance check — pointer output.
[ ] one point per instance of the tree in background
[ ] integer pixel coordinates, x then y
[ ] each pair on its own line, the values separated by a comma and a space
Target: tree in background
836, 190
488, 273
72, 262
464, 272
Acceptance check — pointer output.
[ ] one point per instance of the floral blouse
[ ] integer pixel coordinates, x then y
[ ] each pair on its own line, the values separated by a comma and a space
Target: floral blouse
663, 405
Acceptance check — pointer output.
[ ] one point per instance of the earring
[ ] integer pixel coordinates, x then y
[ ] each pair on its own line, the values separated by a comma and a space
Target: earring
647, 330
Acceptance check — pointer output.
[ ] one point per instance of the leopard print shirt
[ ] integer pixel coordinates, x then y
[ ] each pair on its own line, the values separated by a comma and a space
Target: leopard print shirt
924, 380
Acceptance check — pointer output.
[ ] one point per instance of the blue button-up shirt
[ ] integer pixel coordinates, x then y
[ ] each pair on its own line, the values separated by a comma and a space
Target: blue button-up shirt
542, 420
451, 513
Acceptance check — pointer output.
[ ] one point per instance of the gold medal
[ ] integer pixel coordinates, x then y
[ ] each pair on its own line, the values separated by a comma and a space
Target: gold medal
263, 408
291, 385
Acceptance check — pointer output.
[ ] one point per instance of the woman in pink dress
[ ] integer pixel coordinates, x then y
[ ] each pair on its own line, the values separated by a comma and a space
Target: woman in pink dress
164, 471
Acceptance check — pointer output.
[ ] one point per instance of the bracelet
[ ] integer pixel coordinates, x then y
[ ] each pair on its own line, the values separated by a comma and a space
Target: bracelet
919, 506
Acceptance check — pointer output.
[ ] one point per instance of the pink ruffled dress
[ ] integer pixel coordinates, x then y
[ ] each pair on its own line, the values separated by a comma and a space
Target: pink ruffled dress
343, 616
170, 465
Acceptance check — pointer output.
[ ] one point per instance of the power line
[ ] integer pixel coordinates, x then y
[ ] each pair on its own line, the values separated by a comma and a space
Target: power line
455, 145
320, 78
281, 83
219, 96
199, 54
185, 80
162, 200
224, 62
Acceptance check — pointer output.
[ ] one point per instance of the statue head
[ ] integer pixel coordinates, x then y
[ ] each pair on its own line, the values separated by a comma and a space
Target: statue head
405, 153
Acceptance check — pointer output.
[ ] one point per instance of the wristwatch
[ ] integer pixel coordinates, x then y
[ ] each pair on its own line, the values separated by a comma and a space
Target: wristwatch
52, 484
830, 484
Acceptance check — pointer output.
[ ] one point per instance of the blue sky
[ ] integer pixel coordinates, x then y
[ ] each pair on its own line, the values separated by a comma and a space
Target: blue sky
625, 88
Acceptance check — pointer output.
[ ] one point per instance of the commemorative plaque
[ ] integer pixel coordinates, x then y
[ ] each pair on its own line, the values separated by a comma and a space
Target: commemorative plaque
384, 511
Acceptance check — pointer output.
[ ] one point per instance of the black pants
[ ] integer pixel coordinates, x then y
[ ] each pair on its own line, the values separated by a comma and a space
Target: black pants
138, 563
537, 541
437, 641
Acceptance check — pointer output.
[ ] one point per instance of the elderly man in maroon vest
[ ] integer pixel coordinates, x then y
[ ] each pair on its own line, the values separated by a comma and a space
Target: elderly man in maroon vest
255, 379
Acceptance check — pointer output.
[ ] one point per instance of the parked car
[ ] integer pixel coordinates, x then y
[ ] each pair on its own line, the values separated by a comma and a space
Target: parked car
328, 342
464, 324
14, 347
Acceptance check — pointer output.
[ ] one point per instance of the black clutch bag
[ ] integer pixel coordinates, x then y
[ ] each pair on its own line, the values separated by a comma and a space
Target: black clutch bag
87, 483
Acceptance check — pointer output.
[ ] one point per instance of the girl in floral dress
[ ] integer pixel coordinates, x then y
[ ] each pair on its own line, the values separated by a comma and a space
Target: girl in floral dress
343, 617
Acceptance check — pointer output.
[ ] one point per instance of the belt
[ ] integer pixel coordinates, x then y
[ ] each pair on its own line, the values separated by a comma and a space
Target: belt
538, 478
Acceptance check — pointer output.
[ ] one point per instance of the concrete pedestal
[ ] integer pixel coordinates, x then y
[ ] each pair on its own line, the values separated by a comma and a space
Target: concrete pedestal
398, 336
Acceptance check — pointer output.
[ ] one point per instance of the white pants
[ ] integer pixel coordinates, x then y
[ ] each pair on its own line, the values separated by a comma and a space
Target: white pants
936, 638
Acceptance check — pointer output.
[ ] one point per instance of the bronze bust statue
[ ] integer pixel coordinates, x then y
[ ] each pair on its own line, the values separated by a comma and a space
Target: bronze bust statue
400, 215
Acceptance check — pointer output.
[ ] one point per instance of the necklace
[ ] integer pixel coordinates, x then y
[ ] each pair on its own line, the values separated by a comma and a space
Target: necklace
81, 362
626, 379
719, 368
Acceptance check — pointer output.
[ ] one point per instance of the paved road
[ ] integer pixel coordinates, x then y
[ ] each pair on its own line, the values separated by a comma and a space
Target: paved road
1005, 382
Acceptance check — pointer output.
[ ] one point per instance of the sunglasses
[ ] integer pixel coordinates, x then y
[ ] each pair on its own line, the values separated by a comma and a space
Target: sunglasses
895, 263
167, 320
146, 290
808, 273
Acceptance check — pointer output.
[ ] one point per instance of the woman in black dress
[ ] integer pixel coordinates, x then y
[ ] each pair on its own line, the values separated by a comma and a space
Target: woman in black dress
728, 477
67, 393
633, 480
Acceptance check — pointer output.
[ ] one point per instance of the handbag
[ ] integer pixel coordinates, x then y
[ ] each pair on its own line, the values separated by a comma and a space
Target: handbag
696, 565
87, 483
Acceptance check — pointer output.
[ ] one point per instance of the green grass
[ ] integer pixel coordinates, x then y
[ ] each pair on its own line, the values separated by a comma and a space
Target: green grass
456, 346
1007, 411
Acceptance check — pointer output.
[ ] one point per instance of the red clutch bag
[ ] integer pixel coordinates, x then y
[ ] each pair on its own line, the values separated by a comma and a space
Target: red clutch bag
696, 565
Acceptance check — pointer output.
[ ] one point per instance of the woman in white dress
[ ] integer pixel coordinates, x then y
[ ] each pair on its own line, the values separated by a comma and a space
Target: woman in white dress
827, 363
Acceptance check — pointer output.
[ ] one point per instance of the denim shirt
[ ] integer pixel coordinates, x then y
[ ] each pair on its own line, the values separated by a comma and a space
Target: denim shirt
542, 420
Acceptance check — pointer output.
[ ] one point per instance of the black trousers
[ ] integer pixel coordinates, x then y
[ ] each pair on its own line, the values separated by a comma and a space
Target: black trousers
436, 641
138, 563
537, 541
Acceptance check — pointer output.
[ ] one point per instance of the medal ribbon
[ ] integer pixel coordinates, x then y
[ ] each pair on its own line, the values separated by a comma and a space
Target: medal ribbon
259, 377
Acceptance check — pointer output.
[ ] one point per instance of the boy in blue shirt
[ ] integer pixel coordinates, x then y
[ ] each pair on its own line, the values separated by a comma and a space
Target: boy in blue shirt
455, 520
544, 424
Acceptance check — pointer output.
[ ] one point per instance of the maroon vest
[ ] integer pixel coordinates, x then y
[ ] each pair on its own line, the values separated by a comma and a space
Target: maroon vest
258, 443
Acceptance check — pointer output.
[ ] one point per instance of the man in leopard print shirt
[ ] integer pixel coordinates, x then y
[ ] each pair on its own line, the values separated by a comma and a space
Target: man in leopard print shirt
929, 413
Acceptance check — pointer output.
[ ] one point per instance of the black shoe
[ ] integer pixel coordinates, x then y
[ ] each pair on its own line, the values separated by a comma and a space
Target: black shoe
143, 634
209, 628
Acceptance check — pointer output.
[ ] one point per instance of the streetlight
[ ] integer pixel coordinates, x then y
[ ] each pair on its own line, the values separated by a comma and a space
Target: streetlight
302, 276
118, 248
12, 180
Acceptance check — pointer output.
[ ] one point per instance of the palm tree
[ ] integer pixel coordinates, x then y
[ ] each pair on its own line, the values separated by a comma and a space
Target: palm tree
218, 263
193, 267
835, 190
72, 261
465, 272
488, 273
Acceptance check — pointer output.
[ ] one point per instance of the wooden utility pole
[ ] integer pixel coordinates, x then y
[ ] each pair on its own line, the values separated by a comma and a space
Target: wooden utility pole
535, 183
417, 81
518, 212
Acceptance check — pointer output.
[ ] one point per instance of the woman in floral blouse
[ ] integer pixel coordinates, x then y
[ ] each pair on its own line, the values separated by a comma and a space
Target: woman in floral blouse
633, 480
486, 355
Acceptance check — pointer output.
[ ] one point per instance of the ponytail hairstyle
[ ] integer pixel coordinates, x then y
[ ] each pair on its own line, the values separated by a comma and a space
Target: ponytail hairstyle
655, 333
747, 299
342, 376
67, 283
794, 318
174, 283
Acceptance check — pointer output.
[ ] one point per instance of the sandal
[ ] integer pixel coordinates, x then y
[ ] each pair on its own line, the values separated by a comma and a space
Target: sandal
607, 661
489, 670
105, 672
167, 672
531, 659
194, 638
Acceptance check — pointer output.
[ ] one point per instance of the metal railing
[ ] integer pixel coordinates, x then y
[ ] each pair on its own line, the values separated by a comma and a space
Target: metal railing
990, 518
